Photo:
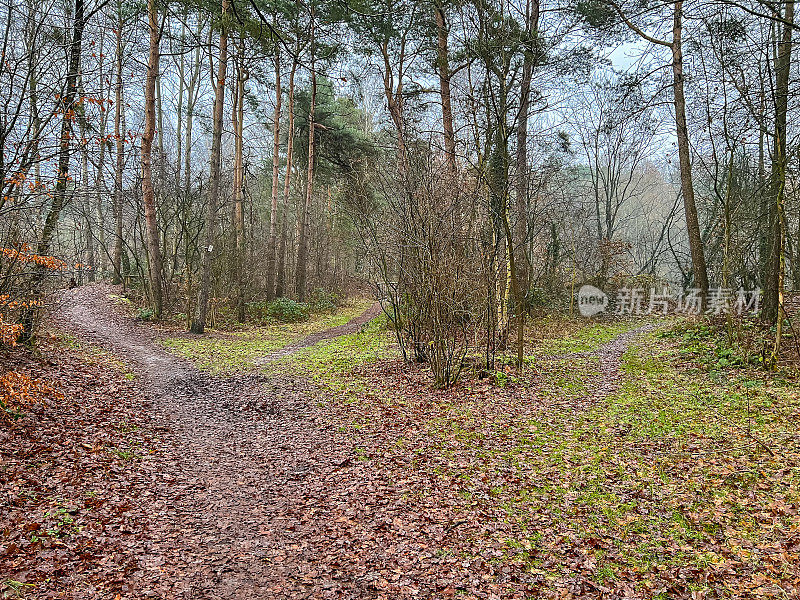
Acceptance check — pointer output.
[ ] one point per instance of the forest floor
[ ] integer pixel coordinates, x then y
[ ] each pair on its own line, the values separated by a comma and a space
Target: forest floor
628, 459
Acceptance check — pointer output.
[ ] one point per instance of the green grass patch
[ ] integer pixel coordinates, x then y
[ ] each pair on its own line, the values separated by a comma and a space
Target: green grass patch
228, 352
681, 469
589, 336
329, 362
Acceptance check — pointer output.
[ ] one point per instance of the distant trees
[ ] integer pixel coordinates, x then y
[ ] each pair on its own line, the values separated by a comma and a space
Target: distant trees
617, 136
311, 147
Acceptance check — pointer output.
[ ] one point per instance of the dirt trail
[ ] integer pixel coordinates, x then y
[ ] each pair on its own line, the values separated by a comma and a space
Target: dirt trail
248, 482
610, 354
352, 326
607, 379
224, 491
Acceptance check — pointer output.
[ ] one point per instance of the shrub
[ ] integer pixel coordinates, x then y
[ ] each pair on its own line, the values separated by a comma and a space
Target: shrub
287, 311
323, 301
21, 291
18, 391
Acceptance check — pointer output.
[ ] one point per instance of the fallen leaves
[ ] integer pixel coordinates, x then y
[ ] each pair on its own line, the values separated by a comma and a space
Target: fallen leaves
65, 502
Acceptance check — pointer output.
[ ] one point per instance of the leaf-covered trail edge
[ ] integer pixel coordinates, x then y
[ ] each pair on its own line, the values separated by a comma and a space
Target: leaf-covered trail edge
268, 487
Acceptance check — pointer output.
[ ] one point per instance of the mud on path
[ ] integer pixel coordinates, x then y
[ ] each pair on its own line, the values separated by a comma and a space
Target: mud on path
241, 452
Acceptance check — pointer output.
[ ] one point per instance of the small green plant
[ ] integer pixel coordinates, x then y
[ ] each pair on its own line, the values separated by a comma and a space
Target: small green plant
11, 588
287, 311
503, 379
120, 299
124, 455
324, 301
63, 524
144, 314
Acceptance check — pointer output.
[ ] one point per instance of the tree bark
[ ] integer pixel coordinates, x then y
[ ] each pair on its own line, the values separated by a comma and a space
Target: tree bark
273, 213
773, 282
301, 273
238, 179
684, 158
86, 203
148, 192
119, 137
179, 125
68, 110
522, 178
443, 68
199, 323
100, 185
280, 278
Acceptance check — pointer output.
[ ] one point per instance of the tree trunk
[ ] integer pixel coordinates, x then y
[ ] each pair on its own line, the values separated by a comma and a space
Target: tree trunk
199, 324
684, 158
186, 196
273, 213
179, 125
522, 178
238, 179
99, 183
443, 68
191, 103
305, 216
394, 98
148, 192
773, 283
67, 107
280, 278
119, 137
86, 204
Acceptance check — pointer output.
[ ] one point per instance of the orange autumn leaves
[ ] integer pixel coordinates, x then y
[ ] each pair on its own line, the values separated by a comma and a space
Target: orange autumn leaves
19, 391
16, 257
24, 255
9, 332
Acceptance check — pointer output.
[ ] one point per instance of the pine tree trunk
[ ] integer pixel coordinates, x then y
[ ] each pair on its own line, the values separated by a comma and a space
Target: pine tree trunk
273, 213
238, 191
201, 313
280, 277
443, 68
301, 273
148, 192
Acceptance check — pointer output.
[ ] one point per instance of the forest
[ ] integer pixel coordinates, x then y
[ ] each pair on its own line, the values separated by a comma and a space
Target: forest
413, 298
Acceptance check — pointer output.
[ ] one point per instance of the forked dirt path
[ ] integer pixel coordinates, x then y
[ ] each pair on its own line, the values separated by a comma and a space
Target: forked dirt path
248, 482
352, 326
224, 497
